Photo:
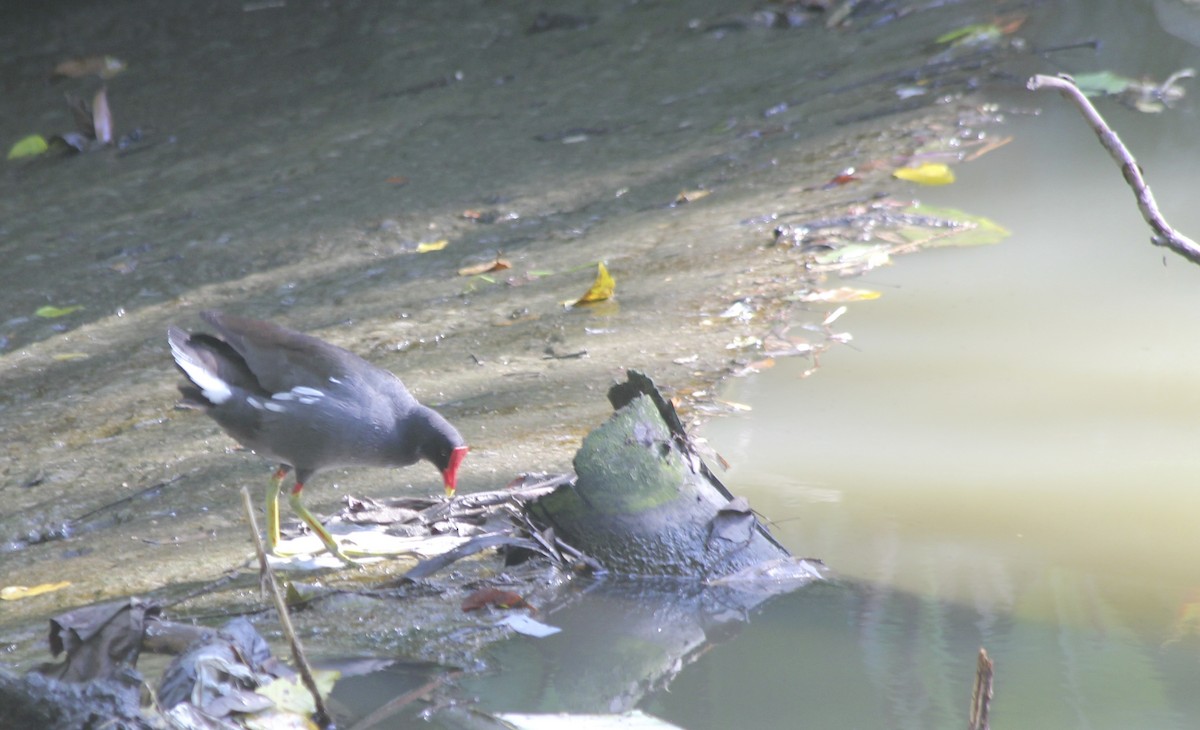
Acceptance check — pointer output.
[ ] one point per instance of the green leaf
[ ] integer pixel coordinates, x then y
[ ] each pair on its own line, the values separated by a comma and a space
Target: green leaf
31, 146
52, 312
1103, 83
932, 227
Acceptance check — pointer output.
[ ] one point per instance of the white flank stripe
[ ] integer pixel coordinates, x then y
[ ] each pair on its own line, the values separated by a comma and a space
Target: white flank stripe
255, 403
275, 407
283, 396
309, 401
305, 390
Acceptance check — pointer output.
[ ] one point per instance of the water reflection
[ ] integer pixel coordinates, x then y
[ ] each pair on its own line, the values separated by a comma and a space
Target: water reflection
1005, 458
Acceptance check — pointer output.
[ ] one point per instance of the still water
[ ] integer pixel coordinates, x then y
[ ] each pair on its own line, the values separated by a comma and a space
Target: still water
1004, 457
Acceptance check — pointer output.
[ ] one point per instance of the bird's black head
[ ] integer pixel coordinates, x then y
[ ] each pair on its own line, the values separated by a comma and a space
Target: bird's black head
443, 446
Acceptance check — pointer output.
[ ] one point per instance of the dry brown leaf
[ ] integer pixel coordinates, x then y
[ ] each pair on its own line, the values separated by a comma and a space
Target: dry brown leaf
487, 267
494, 597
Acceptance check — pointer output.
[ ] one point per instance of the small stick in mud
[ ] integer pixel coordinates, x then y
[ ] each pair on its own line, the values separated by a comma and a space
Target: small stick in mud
981, 696
285, 620
1164, 234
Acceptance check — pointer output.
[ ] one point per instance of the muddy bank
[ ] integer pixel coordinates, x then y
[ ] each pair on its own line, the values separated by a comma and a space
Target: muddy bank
293, 159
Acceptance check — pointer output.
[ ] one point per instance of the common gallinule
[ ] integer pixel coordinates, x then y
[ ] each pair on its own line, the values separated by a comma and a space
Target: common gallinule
308, 405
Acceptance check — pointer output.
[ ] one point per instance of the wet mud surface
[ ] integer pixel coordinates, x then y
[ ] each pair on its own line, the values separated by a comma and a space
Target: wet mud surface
289, 162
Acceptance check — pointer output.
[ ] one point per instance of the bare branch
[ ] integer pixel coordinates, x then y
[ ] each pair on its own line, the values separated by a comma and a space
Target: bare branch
1164, 234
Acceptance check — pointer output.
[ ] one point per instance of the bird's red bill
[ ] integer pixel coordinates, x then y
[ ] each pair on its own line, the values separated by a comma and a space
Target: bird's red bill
450, 475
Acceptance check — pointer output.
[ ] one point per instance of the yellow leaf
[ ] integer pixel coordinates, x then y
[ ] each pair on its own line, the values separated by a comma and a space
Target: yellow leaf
929, 173
432, 246
602, 288
34, 144
69, 356
290, 695
50, 312
15, 593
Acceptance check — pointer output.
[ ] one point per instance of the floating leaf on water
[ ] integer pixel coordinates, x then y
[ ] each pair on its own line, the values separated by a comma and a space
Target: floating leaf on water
34, 144
1103, 83
428, 246
103, 66
602, 288
69, 356
52, 312
16, 593
929, 173
932, 226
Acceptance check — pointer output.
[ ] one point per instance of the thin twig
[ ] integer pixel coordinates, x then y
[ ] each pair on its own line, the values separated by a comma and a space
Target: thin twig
1164, 234
285, 620
981, 696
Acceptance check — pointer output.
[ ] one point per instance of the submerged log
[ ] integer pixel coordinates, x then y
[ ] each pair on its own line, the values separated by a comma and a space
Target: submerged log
645, 504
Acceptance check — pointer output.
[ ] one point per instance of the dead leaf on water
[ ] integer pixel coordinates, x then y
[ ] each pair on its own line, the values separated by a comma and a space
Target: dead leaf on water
16, 593
603, 288
69, 356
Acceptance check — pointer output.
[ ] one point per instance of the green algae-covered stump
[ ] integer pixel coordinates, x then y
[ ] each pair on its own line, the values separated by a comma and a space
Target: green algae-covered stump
645, 504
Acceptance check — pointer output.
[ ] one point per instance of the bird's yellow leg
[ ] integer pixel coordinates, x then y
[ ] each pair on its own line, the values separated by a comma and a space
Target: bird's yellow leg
273, 508
316, 526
